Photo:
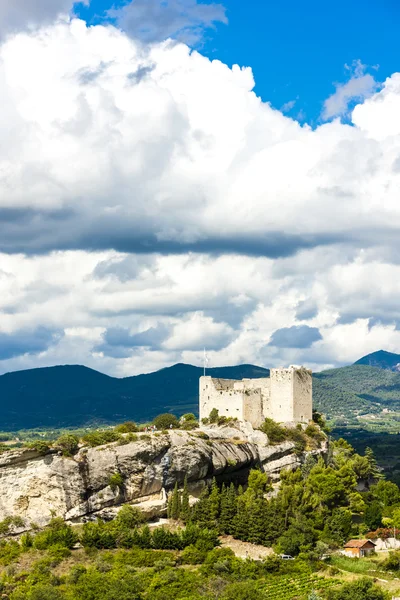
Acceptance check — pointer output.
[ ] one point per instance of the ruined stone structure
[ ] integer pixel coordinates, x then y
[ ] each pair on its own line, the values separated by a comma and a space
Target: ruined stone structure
285, 396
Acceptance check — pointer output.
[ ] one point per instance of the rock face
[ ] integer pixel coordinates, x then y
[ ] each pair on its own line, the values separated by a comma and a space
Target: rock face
36, 487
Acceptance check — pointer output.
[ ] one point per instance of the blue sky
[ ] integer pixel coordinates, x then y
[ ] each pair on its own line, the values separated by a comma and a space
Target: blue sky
298, 50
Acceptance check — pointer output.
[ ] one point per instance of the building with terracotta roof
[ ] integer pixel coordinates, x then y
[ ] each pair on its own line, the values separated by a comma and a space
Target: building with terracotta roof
359, 548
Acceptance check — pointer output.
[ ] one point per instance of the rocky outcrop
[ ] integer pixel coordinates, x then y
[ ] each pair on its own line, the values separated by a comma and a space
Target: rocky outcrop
36, 487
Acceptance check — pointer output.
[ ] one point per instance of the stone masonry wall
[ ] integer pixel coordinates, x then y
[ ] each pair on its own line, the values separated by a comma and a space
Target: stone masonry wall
302, 394
282, 395
220, 394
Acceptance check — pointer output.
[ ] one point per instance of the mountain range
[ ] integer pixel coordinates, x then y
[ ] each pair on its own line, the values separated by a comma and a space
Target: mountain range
74, 395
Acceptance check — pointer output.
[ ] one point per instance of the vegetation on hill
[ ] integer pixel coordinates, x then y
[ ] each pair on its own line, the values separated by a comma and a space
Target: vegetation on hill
316, 509
381, 359
75, 396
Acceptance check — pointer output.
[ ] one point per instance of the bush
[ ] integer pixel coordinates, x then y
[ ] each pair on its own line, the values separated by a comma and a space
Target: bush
40, 446
127, 427
192, 556
129, 517
57, 533
165, 421
213, 416
275, 432
115, 481
315, 433
98, 438
68, 444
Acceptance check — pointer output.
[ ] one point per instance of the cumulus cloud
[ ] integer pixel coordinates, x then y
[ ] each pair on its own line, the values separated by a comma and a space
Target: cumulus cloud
151, 205
119, 342
154, 20
16, 15
24, 342
298, 336
361, 85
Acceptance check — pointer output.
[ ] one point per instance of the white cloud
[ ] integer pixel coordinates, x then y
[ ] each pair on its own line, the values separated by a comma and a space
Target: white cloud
360, 86
16, 15
147, 192
156, 20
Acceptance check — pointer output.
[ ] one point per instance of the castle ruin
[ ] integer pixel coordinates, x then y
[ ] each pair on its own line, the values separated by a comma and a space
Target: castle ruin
285, 397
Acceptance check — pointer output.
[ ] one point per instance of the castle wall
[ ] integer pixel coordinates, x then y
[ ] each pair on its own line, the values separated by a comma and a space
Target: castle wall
281, 395
285, 397
302, 391
222, 395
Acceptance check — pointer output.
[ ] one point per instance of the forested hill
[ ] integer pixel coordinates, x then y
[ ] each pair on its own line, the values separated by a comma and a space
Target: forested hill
74, 395
381, 359
357, 389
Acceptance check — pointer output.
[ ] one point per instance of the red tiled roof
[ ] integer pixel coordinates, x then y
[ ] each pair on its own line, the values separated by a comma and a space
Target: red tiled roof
358, 543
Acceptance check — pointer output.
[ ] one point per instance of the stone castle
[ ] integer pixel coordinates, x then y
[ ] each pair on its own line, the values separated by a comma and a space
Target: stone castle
285, 397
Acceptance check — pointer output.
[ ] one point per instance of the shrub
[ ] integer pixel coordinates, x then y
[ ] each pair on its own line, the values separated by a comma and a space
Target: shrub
275, 432
98, 535
115, 481
129, 517
98, 438
68, 444
57, 533
127, 427
315, 433
40, 446
213, 416
192, 556
165, 421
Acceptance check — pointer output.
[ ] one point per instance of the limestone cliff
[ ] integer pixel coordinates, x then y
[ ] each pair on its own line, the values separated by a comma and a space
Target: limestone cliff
36, 487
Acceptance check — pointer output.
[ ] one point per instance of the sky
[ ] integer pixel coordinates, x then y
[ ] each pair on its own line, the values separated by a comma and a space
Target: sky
178, 174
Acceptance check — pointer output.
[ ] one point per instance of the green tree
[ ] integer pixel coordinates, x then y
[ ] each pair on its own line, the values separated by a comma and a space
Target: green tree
387, 492
228, 509
275, 432
165, 421
213, 416
174, 504
363, 589
185, 506
127, 427
374, 472
68, 444
373, 515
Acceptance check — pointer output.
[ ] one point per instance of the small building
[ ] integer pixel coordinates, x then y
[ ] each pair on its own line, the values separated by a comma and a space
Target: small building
359, 548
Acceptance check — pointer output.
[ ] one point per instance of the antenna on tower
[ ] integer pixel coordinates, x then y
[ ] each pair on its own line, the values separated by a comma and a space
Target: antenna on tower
205, 361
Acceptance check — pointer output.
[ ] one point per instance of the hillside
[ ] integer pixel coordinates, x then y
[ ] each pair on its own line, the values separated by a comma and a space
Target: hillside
74, 395
357, 389
382, 360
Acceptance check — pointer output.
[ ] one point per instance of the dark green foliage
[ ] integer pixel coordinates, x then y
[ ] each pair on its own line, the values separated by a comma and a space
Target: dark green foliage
127, 427
116, 481
98, 438
68, 444
165, 421
275, 432
363, 589
373, 515
213, 416
185, 507
174, 504
57, 533
40, 446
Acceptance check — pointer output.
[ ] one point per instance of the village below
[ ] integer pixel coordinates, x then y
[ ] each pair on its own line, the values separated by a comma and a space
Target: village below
255, 500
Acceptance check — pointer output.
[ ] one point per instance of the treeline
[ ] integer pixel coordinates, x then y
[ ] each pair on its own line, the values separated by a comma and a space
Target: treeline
313, 510
184, 564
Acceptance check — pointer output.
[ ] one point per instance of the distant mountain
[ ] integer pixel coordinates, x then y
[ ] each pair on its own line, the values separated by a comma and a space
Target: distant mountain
75, 395
382, 360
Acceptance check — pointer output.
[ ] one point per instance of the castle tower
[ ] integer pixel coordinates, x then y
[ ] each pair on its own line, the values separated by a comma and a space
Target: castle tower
291, 395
